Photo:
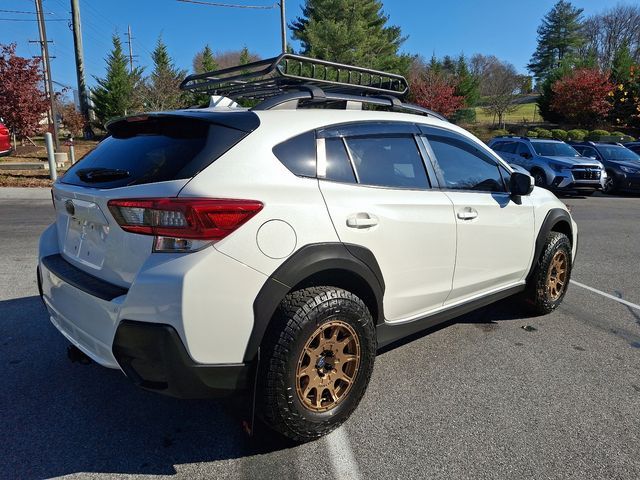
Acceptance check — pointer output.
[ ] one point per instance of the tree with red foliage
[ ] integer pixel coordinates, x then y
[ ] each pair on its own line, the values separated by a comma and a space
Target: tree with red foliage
22, 102
432, 90
582, 97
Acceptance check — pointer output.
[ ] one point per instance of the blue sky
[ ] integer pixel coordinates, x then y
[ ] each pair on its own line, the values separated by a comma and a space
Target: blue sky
505, 28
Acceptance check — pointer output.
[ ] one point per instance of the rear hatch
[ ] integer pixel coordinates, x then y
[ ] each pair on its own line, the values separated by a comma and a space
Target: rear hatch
149, 156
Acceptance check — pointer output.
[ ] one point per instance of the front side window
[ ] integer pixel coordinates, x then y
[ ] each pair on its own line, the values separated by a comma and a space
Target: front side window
522, 148
462, 166
392, 161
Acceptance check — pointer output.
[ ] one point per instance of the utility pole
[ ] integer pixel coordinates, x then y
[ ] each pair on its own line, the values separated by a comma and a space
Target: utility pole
283, 27
47, 68
129, 38
79, 51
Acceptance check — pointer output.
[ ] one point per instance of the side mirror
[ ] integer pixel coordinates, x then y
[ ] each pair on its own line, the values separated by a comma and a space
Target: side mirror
525, 155
521, 184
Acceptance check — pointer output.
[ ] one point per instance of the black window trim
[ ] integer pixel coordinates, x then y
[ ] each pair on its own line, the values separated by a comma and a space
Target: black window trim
426, 129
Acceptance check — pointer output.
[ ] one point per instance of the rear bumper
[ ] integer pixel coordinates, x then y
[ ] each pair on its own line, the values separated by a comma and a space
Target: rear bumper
5, 153
154, 358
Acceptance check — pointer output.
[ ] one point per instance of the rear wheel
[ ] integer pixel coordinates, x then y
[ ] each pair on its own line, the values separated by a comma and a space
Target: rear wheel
319, 356
548, 284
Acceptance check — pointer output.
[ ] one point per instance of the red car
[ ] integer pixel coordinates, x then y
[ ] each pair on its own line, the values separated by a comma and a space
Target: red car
5, 141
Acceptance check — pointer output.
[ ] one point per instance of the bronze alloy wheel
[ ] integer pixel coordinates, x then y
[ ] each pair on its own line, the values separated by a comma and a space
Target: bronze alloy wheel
557, 276
328, 366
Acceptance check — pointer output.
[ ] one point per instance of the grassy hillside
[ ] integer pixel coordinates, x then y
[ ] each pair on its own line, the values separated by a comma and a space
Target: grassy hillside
526, 112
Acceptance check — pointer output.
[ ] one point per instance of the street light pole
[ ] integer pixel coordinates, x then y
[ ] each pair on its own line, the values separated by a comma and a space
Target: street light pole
47, 68
283, 27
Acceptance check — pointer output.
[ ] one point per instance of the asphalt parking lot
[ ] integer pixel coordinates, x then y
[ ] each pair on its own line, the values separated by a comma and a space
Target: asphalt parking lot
480, 397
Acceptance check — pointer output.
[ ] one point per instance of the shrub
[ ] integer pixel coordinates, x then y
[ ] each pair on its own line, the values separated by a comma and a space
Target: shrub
499, 133
544, 133
559, 134
622, 137
532, 134
576, 135
594, 135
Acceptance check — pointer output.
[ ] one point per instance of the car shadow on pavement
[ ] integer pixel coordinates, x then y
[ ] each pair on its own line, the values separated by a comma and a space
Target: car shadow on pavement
62, 418
486, 318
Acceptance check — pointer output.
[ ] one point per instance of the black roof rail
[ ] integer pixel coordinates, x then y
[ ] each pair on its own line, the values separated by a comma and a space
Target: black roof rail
292, 79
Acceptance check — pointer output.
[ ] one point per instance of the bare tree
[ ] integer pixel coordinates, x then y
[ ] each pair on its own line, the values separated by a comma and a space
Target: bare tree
499, 85
607, 32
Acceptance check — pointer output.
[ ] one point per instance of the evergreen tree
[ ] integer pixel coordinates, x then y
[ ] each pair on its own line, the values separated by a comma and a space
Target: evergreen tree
560, 37
204, 61
245, 56
468, 85
622, 63
162, 88
117, 93
354, 32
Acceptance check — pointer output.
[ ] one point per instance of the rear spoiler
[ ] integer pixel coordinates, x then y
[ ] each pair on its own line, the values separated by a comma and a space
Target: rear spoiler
242, 120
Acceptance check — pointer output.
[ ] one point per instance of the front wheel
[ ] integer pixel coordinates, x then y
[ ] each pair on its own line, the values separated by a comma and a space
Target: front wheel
319, 356
540, 179
548, 284
610, 186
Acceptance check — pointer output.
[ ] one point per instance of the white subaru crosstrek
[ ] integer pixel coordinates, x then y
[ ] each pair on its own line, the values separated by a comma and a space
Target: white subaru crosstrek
205, 251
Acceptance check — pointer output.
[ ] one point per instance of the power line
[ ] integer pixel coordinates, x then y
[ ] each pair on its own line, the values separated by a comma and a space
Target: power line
33, 20
232, 5
21, 11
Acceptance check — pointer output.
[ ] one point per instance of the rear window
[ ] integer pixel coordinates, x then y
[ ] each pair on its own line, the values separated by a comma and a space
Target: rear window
153, 150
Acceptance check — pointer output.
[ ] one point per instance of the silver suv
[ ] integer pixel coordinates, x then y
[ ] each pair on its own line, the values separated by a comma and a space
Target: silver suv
553, 164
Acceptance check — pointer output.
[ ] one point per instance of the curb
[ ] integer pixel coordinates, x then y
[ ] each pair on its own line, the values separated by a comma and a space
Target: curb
25, 193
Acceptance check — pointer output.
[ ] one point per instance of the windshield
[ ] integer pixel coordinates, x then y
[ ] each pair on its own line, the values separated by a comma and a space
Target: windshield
616, 152
553, 149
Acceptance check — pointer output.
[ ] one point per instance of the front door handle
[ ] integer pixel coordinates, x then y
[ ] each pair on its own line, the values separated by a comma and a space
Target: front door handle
362, 220
468, 213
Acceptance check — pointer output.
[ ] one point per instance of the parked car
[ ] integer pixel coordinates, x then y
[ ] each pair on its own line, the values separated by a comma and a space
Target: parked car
621, 163
5, 141
209, 250
633, 146
553, 164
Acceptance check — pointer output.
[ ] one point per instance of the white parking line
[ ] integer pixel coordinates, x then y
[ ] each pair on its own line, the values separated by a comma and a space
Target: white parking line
343, 462
604, 294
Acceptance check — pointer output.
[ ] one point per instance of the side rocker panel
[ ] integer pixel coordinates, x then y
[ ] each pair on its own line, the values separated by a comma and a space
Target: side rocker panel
304, 263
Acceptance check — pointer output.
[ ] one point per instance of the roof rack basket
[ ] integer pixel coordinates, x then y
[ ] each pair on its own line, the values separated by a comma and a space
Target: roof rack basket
289, 79
266, 78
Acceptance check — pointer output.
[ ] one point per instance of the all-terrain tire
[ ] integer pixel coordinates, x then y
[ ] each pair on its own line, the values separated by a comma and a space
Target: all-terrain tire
300, 315
544, 291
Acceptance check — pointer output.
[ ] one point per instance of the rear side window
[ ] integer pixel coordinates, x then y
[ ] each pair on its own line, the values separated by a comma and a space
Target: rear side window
388, 161
338, 164
298, 154
157, 149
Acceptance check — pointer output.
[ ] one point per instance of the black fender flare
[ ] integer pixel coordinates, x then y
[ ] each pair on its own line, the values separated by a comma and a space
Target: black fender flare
554, 216
306, 262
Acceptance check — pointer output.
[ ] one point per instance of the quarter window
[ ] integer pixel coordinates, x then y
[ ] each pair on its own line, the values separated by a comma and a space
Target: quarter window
388, 161
462, 166
298, 154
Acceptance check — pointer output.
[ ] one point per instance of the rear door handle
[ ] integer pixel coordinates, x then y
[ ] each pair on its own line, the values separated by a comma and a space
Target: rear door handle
362, 220
467, 213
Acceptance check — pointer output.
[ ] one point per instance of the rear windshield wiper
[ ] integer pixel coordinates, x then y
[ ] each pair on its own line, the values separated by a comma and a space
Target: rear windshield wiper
100, 174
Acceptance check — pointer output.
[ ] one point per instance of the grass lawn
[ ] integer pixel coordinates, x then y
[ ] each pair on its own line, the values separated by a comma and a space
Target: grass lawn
526, 112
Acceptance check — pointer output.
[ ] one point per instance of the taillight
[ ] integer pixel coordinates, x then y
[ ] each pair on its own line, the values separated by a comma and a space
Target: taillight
177, 221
